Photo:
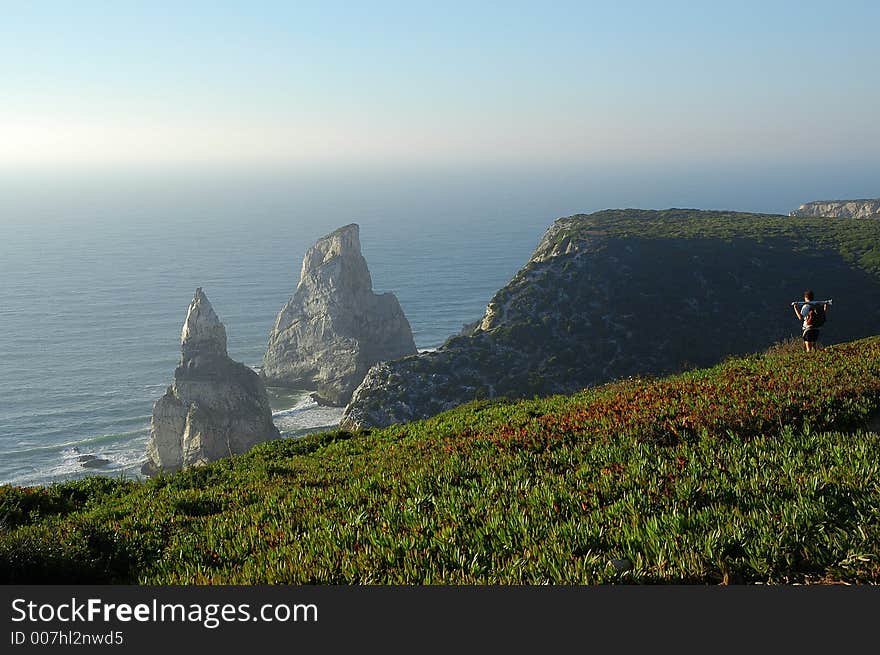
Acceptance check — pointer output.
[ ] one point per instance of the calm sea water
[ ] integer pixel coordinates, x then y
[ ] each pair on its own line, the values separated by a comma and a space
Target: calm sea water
91, 311
96, 272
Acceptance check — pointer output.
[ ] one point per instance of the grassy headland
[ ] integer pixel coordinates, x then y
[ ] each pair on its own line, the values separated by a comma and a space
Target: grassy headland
628, 292
855, 239
755, 470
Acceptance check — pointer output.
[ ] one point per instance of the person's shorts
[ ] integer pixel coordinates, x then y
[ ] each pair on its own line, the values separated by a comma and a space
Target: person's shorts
811, 335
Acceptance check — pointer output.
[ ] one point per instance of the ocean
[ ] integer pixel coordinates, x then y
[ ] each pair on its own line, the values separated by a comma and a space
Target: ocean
91, 313
97, 271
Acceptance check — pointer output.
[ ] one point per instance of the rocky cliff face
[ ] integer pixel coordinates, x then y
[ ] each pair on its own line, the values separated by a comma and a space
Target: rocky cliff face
335, 328
215, 407
628, 292
840, 208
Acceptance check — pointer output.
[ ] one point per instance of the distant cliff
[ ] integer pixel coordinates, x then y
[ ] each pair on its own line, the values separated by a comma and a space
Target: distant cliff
626, 292
840, 208
335, 328
215, 407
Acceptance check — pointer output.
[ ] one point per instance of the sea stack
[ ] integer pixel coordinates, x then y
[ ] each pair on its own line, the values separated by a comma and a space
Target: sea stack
215, 407
335, 328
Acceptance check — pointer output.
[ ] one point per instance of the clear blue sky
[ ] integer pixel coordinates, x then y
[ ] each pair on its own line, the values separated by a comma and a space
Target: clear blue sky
105, 84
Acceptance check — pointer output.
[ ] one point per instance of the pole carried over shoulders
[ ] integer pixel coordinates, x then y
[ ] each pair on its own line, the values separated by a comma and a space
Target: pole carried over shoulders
811, 302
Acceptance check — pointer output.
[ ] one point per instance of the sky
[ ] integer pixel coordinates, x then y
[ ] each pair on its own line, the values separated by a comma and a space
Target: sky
97, 86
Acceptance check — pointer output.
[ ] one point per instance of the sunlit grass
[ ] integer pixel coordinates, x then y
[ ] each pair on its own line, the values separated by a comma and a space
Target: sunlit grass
756, 470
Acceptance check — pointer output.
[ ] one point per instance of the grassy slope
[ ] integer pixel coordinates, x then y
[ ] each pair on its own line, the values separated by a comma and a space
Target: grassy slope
754, 470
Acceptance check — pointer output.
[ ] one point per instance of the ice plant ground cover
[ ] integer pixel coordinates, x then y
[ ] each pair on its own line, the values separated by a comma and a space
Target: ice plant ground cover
760, 469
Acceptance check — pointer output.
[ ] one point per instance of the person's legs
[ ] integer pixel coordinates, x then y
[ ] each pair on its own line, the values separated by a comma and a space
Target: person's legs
811, 338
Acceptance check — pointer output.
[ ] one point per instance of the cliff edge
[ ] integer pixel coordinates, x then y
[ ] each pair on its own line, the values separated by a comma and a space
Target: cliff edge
620, 293
840, 208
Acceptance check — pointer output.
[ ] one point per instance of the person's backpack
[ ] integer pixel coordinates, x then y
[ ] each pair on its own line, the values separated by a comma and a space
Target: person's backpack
816, 317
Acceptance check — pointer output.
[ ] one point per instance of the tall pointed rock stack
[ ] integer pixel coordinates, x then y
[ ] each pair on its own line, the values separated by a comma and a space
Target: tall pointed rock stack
335, 328
215, 406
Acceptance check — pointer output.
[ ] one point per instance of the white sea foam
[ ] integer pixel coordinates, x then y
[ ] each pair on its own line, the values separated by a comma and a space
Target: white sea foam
125, 450
302, 405
306, 416
78, 444
81, 380
295, 410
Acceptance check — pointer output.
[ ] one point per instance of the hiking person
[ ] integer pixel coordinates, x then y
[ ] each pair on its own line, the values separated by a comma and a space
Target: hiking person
813, 315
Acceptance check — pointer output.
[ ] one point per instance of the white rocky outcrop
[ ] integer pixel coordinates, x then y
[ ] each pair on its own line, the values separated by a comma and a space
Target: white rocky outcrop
840, 208
335, 328
215, 407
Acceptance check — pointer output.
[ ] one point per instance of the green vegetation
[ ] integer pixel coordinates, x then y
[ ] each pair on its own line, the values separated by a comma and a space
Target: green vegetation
755, 470
857, 240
